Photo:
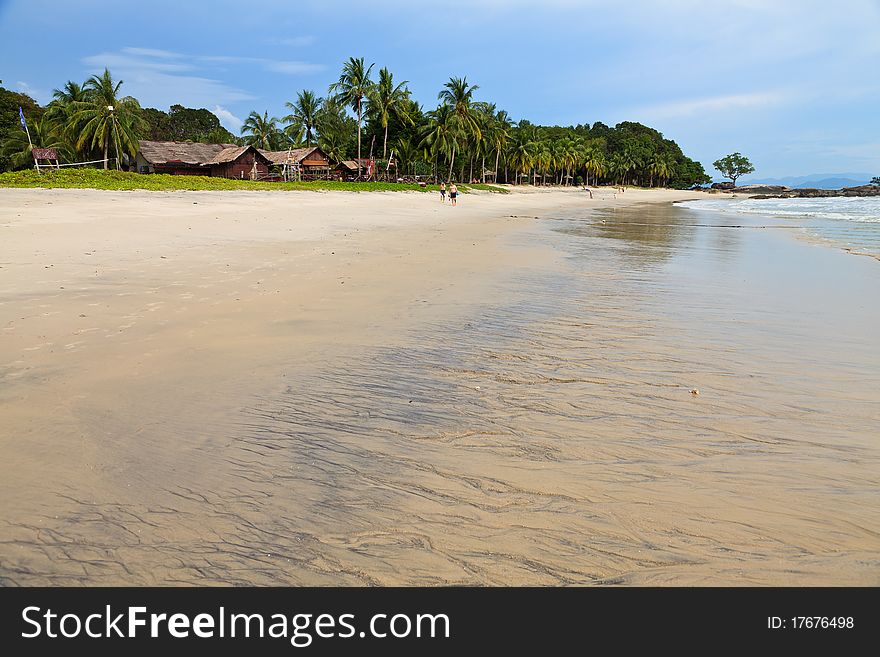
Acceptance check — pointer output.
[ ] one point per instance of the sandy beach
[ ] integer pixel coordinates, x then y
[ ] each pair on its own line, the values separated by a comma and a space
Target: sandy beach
343, 389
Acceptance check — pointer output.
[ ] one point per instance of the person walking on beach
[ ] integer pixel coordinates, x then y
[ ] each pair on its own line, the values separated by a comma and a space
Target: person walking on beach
443, 192
453, 194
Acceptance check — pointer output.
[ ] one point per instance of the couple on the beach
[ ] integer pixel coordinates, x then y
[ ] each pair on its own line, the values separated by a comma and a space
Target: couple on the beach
453, 193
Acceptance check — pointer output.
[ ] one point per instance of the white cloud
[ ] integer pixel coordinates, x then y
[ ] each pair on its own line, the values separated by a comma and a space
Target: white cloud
152, 52
162, 78
130, 61
38, 95
229, 120
714, 105
278, 66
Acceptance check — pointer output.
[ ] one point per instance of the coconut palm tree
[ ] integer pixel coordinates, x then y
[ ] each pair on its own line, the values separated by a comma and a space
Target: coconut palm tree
594, 162
61, 109
387, 100
261, 131
407, 154
353, 88
63, 102
459, 95
333, 144
104, 117
667, 169
499, 137
440, 135
303, 116
521, 152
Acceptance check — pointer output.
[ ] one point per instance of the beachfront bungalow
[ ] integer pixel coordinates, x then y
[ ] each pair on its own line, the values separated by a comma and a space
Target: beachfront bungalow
349, 168
297, 163
216, 160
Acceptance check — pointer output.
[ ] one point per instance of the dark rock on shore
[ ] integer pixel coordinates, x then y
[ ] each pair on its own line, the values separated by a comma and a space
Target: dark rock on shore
763, 189
861, 190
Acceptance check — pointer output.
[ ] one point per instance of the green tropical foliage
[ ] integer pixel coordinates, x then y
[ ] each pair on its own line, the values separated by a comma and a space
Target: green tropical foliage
463, 138
104, 118
387, 100
181, 123
263, 132
88, 178
304, 116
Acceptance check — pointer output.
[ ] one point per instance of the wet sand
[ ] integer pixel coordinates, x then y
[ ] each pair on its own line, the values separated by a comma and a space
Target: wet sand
332, 389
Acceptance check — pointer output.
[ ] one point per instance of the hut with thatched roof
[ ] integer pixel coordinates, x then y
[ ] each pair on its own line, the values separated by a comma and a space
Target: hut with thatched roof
297, 163
187, 158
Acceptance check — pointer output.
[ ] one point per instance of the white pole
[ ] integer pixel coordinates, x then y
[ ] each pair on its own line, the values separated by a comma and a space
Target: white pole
36, 162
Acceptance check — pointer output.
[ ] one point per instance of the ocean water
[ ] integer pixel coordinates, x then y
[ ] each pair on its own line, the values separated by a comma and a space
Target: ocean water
850, 223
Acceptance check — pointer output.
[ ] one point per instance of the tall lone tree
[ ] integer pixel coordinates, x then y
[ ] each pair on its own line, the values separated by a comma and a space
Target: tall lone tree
733, 166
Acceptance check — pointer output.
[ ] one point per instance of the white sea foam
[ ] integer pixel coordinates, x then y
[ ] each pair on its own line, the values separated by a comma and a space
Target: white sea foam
851, 222
860, 209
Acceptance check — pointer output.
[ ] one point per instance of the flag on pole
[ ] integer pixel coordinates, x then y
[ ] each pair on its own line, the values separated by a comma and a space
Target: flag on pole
21, 116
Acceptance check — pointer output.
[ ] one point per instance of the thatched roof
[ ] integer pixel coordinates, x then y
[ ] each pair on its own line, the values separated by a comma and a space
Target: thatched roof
160, 152
351, 165
296, 155
228, 154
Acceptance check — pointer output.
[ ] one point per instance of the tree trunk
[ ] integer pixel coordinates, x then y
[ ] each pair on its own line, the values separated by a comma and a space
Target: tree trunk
385, 143
105, 155
451, 162
483, 167
497, 160
359, 139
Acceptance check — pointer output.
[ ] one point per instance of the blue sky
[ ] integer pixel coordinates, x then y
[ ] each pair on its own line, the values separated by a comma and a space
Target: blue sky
794, 85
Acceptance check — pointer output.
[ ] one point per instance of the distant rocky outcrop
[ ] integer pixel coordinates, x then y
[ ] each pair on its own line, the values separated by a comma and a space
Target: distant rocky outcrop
861, 190
762, 189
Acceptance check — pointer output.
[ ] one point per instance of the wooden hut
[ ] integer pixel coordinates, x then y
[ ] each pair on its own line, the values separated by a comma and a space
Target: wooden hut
187, 158
300, 163
242, 162
348, 169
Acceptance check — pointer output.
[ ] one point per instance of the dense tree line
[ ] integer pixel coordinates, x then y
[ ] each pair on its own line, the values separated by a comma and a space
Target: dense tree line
366, 114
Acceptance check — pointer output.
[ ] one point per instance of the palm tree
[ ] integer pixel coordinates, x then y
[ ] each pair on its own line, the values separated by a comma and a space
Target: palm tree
333, 144
521, 154
352, 88
594, 163
407, 154
440, 135
261, 131
63, 102
668, 168
304, 115
459, 95
499, 136
388, 100
61, 109
103, 117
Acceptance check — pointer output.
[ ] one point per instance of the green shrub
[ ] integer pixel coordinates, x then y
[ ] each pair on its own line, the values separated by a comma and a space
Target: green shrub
87, 178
